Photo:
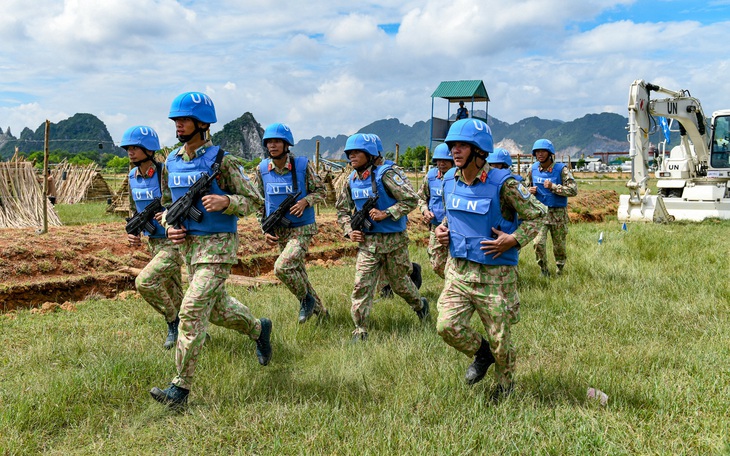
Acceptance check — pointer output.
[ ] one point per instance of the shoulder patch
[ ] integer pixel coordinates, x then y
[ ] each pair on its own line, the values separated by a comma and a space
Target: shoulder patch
397, 179
523, 191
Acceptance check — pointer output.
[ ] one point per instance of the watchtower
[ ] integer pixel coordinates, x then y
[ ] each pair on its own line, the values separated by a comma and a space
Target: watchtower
453, 92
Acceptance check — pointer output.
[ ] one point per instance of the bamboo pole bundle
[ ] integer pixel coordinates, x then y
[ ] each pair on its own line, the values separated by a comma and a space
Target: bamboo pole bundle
120, 201
21, 198
81, 183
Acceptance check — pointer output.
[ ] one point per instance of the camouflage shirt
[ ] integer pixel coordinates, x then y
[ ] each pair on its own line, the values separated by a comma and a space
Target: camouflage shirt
513, 199
558, 215
400, 189
424, 194
316, 192
244, 199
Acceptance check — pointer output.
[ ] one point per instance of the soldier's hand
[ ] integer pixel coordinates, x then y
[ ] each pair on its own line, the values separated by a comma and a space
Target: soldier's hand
215, 203
298, 209
428, 216
357, 236
499, 245
442, 235
177, 235
532, 190
547, 184
158, 217
377, 215
134, 241
271, 239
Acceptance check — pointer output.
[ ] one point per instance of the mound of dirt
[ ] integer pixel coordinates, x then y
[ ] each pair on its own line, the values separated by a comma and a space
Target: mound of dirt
592, 206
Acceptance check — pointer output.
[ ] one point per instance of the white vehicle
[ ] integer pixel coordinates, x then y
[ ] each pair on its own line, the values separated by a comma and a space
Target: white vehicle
693, 181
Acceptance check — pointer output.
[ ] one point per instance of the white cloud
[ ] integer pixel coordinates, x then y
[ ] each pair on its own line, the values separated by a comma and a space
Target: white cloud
328, 68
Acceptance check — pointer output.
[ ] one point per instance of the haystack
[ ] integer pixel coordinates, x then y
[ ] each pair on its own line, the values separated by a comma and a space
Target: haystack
75, 184
21, 197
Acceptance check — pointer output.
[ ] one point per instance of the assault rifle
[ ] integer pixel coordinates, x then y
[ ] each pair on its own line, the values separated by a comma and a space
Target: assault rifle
142, 221
278, 217
184, 207
359, 220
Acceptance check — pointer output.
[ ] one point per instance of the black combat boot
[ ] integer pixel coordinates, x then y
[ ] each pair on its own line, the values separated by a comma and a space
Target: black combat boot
386, 292
359, 337
482, 360
173, 396
416, 275
171, 333
307, 308
544, 271
263, 343
423, 313
501, 392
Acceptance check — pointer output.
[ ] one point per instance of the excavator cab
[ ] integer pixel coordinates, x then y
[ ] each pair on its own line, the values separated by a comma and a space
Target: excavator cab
720, 154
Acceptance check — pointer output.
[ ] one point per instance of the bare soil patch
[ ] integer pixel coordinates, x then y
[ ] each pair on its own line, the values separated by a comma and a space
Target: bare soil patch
70, 263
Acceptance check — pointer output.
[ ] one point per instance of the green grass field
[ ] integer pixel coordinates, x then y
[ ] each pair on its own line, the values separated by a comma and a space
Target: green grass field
642, 317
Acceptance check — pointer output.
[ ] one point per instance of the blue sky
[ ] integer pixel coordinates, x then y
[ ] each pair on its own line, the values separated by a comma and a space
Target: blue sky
329, 68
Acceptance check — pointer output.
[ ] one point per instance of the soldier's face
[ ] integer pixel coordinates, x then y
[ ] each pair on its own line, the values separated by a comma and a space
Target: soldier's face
357, 158
184, 126
275, 147
542, 155
460, 151
444, 165
135, 153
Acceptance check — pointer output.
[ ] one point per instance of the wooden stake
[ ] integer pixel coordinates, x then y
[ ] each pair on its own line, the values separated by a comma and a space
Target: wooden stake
45, 178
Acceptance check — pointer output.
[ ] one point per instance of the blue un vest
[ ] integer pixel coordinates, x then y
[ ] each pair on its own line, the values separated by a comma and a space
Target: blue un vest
436, 201
472, 211
143, 191
362, 189
183, 174
544, 195
278, 186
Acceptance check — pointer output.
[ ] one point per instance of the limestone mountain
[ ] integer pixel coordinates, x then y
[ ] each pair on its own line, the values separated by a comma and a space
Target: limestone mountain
241, 137
79, 133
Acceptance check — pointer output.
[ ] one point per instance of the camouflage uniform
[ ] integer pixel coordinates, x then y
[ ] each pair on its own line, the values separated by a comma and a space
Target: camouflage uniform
209, 260
388, 251
490, 290
556, 222
290, 267
160, 282
437, 253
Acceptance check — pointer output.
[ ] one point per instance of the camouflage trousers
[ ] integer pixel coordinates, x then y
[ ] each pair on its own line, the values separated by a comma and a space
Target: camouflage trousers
397, 266
160, 282
498, 308
206, 301
290, 267
559, 235
437, 254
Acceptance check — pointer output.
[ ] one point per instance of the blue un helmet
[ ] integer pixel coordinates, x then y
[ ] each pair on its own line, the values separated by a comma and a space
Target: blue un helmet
544, 144
442, 152
379, 144
499, 156
471, 131
278, 131
141, 136
195, 105
361, 141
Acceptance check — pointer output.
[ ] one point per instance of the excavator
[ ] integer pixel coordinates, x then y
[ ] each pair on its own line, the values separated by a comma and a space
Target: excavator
693, 181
